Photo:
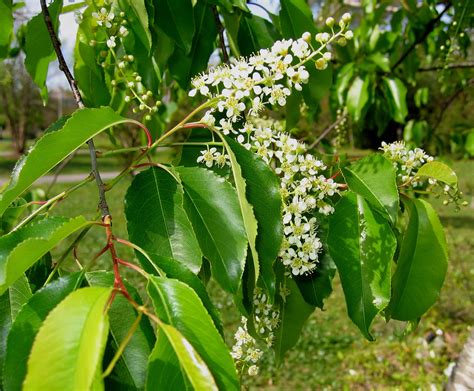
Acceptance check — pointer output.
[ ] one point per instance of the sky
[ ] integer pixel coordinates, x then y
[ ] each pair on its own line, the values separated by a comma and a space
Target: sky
68, 29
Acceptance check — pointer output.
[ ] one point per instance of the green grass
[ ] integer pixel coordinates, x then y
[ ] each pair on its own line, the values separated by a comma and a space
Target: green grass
331, 353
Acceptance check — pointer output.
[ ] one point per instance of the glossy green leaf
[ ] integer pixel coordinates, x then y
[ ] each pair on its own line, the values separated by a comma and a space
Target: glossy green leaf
5, 325
318, 85
294, 312
176, 19
174, 364
130, 370
357, 97
178, 305
421, 264
20, 293
263, 192
254, 33
62, 138
27, 324
374, 178
344, 76
137, 19
296, 18
362, 245
395, 92
232, 23
38, 47
6, 21
381, 61
214, 210
20, 249
439, 171
184, 66
69, 345
154, 210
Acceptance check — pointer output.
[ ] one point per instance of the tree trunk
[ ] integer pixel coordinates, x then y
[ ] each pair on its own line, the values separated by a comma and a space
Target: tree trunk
462, 377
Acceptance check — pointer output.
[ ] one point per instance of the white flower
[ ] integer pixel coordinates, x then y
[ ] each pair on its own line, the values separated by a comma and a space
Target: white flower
123, 31
207, 157
111, 42
104, 18
297, 76
253, 370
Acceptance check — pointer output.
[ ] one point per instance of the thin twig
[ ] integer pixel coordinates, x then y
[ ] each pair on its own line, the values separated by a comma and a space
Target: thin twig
220, 30
103, 206
327, 131
462, 65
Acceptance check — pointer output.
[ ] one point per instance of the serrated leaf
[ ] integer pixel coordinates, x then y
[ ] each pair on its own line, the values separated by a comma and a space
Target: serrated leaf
374, 178
213, 207
154, 210
27, 324
69, 345
62, 138
130, 370
6, 21
421, 265
395, 92
178, 305
20, 293
439, 171
357, 97
362, 246
176, 19
137, 18
262, 190
20, 249
38, 47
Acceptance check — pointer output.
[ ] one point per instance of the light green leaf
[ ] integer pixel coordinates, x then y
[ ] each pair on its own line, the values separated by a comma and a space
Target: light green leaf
38, 47
374, 178
362, 246
395, 93
178, 305
154, 208
343, 78
27, 324
381, 61
69, 345
62, 138
421, 265
214, 210
357, 97
262, 190
20, 249
6, 21
439, 171
469, 146
20, 293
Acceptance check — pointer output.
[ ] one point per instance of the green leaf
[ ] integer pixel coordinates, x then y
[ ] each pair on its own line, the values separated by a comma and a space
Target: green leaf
254, 33
296, 18
421, 265
381, 61
38, 47
176, 19
137, 19
20, 249
69, 345
357, 98
362, 246
213, 208
318, 85
294, 312
263, 192
172, 355
184, 66
62, 138
469, 145
232, 23
178, 305
374, 178
395, 93
317, 286
439, 171
27, 324
130, 370
343, 78
6, 21
154, 210
20, 293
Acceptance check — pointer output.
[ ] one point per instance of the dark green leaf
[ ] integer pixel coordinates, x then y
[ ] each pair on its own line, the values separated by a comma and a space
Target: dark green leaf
20, 249
374, 178
255, 33
178, 305
6, 31
213, 208
38, 47
69, 345
137, 19
27, 324
61, 139
296, 18
362, 246
154, 210
421, 265
263, 193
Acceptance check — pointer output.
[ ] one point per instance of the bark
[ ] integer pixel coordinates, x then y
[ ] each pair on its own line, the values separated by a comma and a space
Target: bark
462, 377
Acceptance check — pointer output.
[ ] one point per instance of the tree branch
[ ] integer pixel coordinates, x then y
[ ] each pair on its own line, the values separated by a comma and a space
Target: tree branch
326, 131
220, 30
428, 29
462, 65
103, 206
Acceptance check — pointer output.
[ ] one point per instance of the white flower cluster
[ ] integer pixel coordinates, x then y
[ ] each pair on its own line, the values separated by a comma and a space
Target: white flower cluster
266, 317
406, 161
245, 351
211, 156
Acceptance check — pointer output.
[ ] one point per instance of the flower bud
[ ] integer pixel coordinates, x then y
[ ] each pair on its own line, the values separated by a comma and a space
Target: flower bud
144, 97
92, 42
138, 79
330, 22
142, 107
113, 82
130, 58
321, 64
349, 35
346, 18
342, 41
147, 117
130, 84
127, 99
122, 64
307, 36
327, 56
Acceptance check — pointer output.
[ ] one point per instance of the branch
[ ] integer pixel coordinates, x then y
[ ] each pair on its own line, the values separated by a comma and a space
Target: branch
220, 30
462, 65
327, 131
103, 206
428, 29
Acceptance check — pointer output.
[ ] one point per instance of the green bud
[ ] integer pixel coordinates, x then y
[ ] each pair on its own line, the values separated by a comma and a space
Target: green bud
321, 64
342, 41
330, 22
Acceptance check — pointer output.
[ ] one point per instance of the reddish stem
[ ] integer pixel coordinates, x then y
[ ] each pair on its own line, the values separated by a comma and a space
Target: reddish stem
148, 134
192, 125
